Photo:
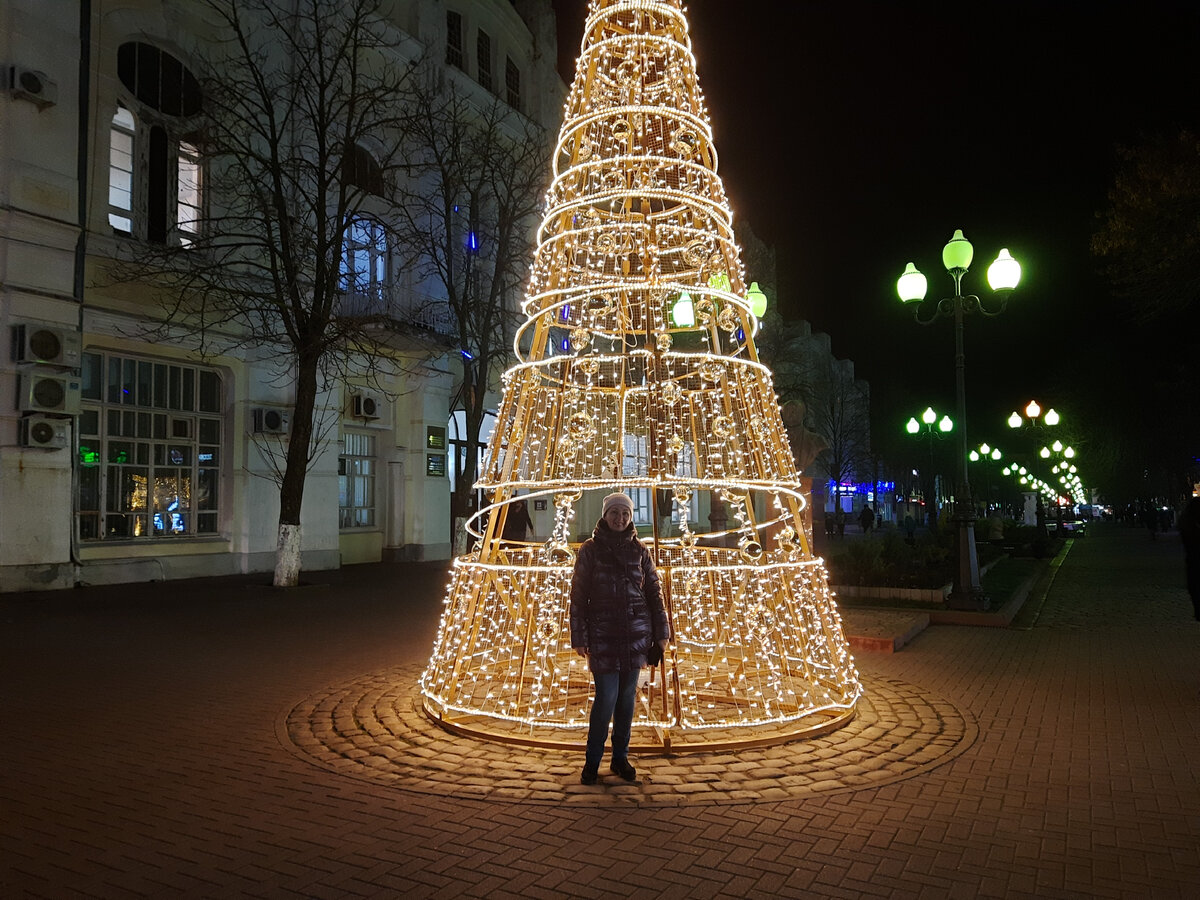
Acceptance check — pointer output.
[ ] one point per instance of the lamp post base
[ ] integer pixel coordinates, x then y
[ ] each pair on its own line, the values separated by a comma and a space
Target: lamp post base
975, 601
967, 593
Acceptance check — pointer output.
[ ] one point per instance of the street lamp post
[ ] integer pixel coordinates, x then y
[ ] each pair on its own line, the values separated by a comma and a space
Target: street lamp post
1003, 276
985, 453
1037, 420
944, 425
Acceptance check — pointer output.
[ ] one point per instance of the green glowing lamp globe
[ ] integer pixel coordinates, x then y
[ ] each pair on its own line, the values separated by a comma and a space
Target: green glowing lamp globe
1004, 273
758, 300
1052, 418
912, 285
958, 253
683, 313
929, 416
912, 426
1014, 421
947, 424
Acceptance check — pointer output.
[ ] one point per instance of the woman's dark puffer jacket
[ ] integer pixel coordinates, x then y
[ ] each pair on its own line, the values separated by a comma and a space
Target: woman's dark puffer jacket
616, 601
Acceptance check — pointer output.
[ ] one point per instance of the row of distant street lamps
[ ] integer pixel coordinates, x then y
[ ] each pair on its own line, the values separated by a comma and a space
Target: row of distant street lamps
932, 427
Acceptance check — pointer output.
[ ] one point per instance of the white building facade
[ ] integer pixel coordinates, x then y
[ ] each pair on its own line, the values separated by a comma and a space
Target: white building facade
129, 459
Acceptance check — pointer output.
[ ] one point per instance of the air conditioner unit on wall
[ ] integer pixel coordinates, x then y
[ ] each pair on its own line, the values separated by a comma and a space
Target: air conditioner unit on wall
268, 420
45, 432
43, 392
368, 406
32, 85
46, 345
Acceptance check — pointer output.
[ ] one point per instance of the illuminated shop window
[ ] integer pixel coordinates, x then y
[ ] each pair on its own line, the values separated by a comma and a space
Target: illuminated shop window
149, 449
356, 481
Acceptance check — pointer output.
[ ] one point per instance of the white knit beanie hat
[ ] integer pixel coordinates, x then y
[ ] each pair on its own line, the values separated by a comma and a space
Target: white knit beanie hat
617, 499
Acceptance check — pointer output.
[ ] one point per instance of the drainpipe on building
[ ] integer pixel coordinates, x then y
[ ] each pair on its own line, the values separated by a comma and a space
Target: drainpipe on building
81, 168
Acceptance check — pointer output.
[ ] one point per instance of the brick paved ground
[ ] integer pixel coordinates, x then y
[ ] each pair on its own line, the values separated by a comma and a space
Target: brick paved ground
145, 753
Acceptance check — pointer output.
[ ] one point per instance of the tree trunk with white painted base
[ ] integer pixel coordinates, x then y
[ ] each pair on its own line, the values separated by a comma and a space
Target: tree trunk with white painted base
287, 556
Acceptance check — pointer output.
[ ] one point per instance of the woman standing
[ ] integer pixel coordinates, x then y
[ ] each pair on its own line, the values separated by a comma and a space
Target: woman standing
617, 615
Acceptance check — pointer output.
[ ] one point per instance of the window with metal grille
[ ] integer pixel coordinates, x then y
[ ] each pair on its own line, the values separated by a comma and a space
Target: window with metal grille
356, 481
149, 449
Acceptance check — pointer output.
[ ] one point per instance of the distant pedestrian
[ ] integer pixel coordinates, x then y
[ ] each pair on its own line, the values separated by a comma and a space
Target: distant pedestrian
619, 625
1150, 519
517, 523
1189, 533
866, 519
910, 528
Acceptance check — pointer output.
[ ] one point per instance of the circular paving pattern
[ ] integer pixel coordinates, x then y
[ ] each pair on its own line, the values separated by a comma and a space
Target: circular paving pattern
372, 729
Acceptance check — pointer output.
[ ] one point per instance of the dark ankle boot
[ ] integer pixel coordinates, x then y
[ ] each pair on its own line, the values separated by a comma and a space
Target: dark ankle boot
623, 769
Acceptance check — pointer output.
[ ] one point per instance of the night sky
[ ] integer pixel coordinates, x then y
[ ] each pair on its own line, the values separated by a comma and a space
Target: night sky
856, 137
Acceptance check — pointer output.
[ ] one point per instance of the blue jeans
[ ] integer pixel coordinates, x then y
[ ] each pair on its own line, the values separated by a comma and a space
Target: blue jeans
615, 696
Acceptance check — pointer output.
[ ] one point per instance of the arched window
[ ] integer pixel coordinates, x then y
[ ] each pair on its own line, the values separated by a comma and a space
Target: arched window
360, 168
155, 189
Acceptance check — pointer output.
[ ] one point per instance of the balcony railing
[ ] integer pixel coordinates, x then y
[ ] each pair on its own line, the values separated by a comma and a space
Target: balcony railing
402, 306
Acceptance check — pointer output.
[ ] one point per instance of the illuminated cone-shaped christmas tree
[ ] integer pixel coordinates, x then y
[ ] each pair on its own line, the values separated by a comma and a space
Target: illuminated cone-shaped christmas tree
638, 372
